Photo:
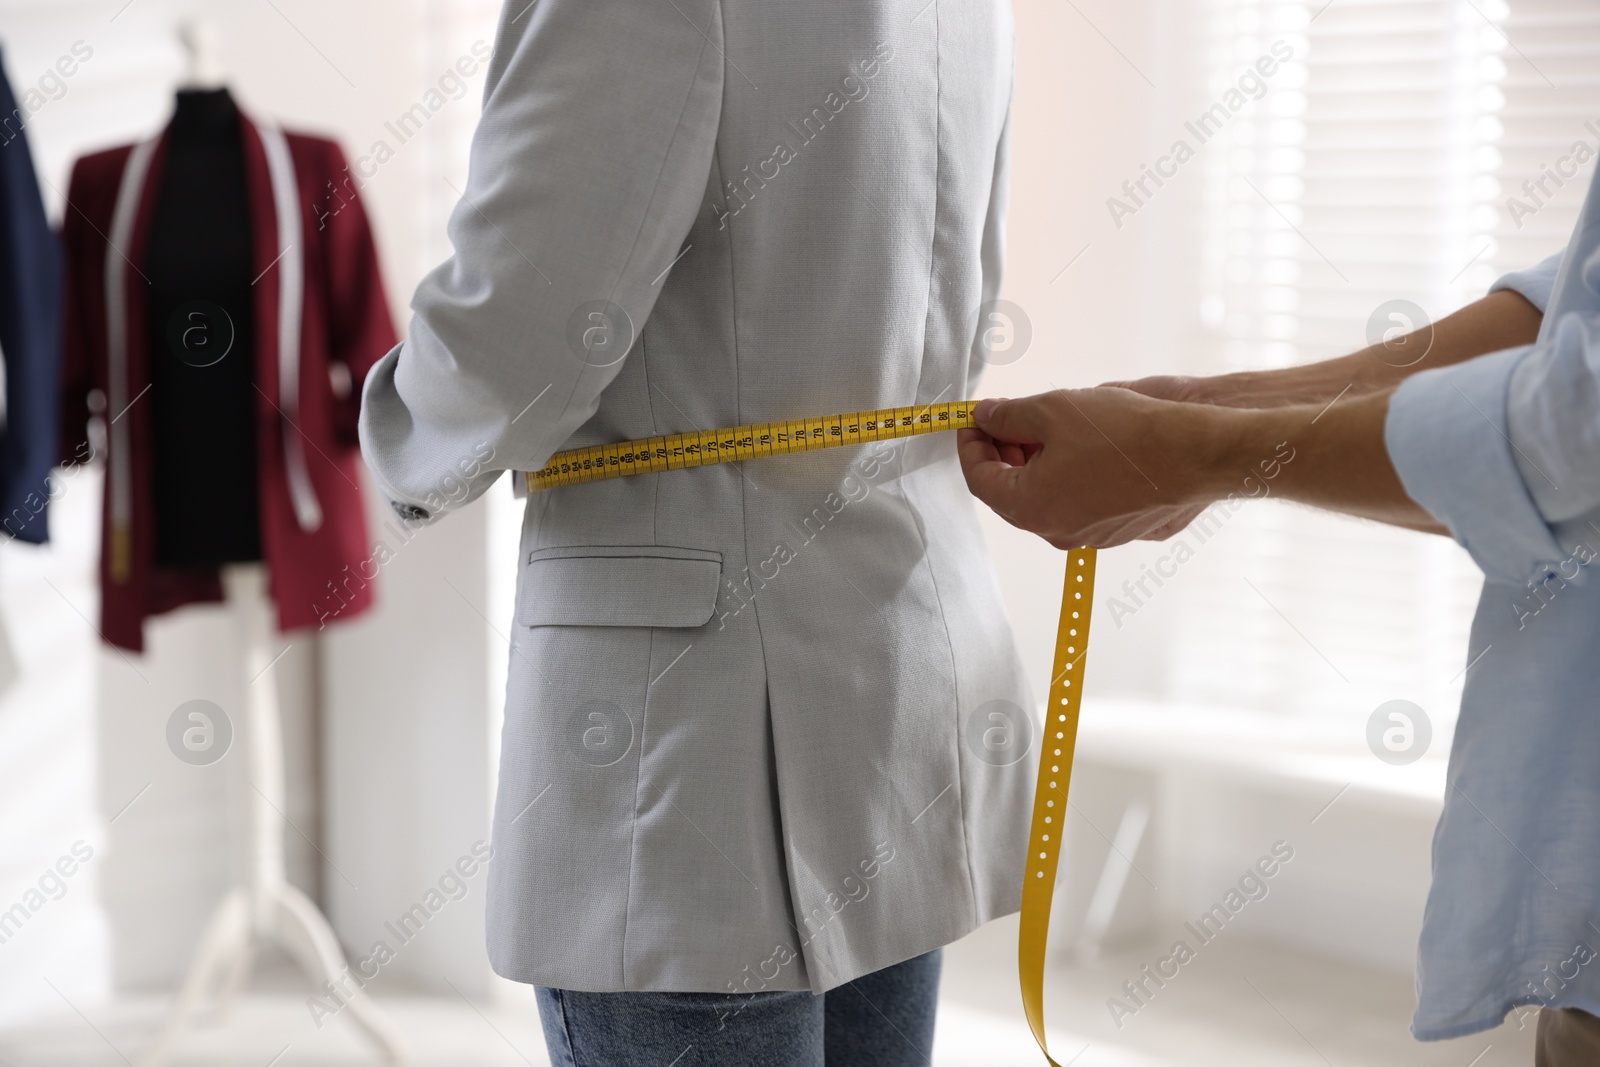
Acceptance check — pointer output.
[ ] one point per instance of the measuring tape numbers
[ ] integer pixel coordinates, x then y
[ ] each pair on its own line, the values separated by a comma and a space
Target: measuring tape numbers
1059, 739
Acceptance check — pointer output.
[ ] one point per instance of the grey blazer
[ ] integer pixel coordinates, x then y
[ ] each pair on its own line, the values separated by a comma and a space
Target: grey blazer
764, 722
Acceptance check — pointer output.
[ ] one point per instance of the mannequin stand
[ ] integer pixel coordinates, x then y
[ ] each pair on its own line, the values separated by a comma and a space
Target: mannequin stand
269, 908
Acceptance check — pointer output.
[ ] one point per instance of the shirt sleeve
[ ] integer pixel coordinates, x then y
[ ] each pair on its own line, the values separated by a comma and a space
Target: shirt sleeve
1535, 283
587, 169
1553, 410
1447, 435
1505, 449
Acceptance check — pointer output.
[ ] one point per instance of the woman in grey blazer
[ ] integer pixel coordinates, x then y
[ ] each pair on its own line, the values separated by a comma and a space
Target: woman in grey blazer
764, 731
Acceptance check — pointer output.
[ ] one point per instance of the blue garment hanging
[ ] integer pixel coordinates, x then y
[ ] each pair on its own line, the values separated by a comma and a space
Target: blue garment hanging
30, 332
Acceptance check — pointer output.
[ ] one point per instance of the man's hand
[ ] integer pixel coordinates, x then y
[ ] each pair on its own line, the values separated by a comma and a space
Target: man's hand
1104, 466
1090, 466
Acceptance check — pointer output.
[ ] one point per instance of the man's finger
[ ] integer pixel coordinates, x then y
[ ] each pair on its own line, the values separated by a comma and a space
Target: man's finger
989, 477
1013, 454
1023, 421
984, 445
1016, 455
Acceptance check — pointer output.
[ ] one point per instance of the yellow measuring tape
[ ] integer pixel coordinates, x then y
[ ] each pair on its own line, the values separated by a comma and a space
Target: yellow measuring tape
1062, 701
700, 448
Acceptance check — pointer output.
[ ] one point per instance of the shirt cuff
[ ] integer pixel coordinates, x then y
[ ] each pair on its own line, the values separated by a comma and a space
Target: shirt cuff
1535, 283
1446, 434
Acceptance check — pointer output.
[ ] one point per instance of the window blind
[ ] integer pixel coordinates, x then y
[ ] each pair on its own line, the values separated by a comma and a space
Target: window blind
1551, 118
1372, 169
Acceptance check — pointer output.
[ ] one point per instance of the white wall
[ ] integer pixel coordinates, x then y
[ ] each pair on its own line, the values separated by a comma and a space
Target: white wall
1084, 119
1221, 793
48, 768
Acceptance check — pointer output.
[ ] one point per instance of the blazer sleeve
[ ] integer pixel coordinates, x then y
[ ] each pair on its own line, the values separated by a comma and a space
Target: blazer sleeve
77, 365
587, 168
360, 323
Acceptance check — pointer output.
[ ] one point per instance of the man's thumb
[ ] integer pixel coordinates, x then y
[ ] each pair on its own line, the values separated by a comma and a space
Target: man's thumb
1021, 421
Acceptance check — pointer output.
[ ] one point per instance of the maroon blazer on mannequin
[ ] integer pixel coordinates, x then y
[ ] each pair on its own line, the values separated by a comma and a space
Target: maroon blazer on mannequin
314, 254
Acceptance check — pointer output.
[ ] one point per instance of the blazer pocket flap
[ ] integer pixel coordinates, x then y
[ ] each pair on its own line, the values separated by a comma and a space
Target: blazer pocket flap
626, 585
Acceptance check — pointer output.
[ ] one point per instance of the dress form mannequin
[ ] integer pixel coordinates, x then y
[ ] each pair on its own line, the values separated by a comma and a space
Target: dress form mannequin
267, 908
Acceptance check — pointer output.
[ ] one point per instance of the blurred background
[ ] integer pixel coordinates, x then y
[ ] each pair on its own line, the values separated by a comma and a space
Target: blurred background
1397, 151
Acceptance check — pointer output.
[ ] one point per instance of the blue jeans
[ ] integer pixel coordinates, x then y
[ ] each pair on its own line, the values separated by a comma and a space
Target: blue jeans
882, 1019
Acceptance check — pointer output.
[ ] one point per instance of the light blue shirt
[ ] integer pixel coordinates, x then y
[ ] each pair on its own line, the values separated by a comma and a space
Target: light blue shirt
1505, 451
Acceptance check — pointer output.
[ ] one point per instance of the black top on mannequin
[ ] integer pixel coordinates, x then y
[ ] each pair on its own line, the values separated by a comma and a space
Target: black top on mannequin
200, 320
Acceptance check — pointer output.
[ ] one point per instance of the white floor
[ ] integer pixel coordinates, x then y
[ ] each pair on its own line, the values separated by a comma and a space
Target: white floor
1241, 1005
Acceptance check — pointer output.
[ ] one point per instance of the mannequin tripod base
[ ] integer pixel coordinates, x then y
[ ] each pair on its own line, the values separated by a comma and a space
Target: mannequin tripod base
223, 959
